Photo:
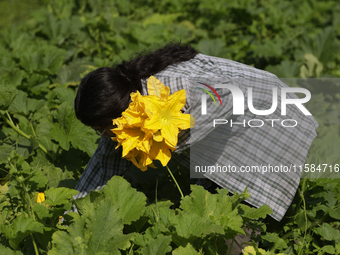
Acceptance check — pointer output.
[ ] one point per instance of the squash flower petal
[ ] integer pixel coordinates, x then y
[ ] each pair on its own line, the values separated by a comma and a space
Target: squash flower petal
41, 197
167, 116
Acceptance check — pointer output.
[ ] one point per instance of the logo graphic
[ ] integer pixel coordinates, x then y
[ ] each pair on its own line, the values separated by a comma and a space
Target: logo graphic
213, 90
239, 99
204, 97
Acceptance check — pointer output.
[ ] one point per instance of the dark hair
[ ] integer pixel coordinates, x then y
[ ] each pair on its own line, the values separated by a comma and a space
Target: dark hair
104, 93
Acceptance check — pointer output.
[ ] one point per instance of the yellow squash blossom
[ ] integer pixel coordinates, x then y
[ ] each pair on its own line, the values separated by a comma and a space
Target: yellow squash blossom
148, 129
167, 117
132, 138
135, 115
41, 197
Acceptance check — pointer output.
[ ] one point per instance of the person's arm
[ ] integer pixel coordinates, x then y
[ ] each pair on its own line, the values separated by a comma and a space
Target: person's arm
105, 163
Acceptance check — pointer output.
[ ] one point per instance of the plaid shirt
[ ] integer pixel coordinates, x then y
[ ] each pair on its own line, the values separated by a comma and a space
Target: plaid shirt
236, 146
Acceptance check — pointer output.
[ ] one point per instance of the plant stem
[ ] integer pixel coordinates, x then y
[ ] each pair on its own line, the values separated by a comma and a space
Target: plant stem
31, 213
306, 220
14, 127
9, 117
4, 170
34, 245
11, 124
33, 131
30, 204
179, 189
288, 234
45, 150
131, 248
28, 198
231, 246
301, 194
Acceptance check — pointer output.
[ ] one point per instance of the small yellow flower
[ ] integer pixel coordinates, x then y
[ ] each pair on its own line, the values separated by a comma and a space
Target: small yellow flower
41, 197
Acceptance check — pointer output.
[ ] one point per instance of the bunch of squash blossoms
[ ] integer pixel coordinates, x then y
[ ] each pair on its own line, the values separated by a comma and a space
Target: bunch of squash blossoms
148, 129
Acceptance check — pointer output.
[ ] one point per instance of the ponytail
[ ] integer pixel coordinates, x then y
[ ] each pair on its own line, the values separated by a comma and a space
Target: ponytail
104, 93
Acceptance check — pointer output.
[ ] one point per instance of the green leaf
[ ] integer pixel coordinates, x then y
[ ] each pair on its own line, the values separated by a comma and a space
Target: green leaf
104, 224
65, 94
7, 95
14, 77
100, 232
55, 176
59, 196
56, 30
160, 213
73, 161
187, 250
37, 181
269, 48
255, 213
151, 233
312, 68
212, 47
286, 69
121, 242
7, 63
328, 232
71, 242
334, 214
21, 228
69, 130
329, 249
24, 105
131, 203
148, 35
158, 246
87, 204
37, 83
47, 60
3, 192
274, 238
7, 251
43, 132
158, 18
41, 211
327, 144
191, 225
232, 222
323, 46
302, 222
5, 152
330, 198
220, 208
31, 60
202, 203
72, 72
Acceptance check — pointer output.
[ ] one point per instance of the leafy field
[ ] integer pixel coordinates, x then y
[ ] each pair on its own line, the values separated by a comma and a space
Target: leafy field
44, 148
